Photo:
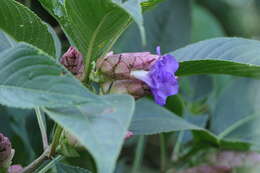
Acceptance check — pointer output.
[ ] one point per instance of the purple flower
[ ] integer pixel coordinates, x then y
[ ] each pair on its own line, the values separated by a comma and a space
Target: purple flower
161, 77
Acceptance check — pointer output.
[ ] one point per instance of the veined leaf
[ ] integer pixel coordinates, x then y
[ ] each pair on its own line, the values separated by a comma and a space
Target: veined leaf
93, 26
6, 41
23, 25
150, 118
236, 115
204, 24
30, 78
100, 127
233, 56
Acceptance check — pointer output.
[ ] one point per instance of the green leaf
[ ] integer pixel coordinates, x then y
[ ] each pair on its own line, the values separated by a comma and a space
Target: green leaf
204, 24
233, 56
100, 127
93, 26
6, 41
167, 25
57, 42
60, 167
23, 25
236, 115
30, 78
196, 88
150, 118
134, 9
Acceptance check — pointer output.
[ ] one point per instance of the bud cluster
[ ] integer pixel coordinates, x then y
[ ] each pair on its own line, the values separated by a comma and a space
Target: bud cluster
117, 69
120, 66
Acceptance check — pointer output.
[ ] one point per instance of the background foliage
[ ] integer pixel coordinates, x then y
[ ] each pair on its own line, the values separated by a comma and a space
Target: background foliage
217, 107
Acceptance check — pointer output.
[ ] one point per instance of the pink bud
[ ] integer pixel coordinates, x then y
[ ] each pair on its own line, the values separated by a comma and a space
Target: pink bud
135, 88
129, 134
73, 61
5, 150
119, 66
15, 169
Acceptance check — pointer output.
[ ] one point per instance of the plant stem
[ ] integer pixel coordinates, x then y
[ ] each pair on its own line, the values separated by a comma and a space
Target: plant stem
42, 126
163, 153
50, 165
176, 150
139, 154
55, 142
36, 163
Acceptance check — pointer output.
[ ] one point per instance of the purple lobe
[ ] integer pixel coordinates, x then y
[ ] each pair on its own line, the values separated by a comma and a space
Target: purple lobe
161, 78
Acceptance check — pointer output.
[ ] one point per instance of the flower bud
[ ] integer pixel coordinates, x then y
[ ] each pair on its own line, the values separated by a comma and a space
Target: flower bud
5, 150
15, 169
119, 66
73, 61
135, 88
129, 134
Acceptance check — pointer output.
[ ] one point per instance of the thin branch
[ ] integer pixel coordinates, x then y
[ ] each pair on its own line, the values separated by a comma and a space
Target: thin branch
56, 138
36, 163
42, 128
51, 164
163, 153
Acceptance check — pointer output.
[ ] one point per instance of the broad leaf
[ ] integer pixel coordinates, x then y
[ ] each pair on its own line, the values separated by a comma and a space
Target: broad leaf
23, 25
29, 78
93, 26
6, 41
236, 116
196, 88
204, 24
167, 25
234, 56
100, 127
150, 118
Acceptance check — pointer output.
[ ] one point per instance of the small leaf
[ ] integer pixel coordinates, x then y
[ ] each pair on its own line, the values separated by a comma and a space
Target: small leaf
233, 56
23, 25
101, 127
